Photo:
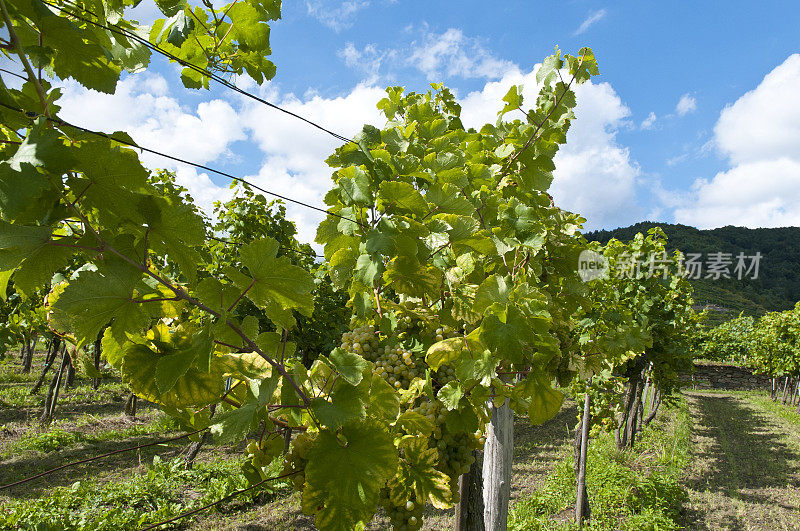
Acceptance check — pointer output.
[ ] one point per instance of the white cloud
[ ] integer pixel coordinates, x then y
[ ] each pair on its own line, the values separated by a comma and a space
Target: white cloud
202, 189
686, 104
760, 135
765, 122
754, 194
677, 159
368, 60
294, 154
594, 175
449, 54
592, 19
453, 54
143, 108
649, 122
336, 14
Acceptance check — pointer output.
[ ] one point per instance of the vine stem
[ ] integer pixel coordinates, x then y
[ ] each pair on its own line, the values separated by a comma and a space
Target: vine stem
232, 306
14, 43
378, 302
535, 133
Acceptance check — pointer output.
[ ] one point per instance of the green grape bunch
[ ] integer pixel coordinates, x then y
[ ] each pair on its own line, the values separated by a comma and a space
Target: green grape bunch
400, 366
405, 516
363, 341
295, 461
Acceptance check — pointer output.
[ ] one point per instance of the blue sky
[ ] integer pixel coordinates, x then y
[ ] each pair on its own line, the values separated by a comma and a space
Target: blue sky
693, 119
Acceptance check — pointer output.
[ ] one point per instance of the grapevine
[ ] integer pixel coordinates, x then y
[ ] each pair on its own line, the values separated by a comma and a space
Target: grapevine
456, 264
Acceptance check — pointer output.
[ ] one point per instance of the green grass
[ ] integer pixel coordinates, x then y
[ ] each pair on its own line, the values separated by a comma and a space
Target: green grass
761, 398
56, 438
164, 490
19, 396
11, 368
784, 412
746, 462
48, 441
639, 489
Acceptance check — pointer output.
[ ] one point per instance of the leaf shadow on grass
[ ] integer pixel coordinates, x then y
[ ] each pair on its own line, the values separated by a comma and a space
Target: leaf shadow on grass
16, 469
65, 409
742, 454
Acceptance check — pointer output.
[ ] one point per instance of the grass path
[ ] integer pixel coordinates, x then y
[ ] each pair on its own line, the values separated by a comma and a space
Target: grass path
745, 472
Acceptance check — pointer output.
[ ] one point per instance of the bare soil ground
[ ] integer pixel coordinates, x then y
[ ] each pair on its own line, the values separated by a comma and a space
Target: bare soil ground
745, 474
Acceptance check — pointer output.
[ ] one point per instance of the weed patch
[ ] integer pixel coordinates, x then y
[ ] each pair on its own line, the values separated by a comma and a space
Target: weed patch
639, 489
165, 490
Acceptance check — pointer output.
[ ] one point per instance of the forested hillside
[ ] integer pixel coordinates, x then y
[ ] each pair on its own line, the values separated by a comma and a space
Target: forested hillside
777, 286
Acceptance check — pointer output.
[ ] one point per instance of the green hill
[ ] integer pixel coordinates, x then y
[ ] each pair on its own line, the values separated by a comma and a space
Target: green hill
777, 286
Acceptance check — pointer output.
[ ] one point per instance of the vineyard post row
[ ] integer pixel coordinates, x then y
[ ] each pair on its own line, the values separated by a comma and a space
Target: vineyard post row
769, 345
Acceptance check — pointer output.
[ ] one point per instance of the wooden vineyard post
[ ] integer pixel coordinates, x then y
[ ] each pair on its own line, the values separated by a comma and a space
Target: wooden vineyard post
498, 455
98, 345
52, 392
582, 509
469, 509
785, 389
52, 354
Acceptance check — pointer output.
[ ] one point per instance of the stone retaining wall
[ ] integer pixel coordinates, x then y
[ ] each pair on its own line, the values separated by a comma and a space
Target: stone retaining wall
725, 377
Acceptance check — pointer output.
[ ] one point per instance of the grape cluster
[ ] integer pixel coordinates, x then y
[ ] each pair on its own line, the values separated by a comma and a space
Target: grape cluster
399, 366
404, 517
426, 328
454, 449
445, 332
455, 452
363, 341
292, 462
443, 375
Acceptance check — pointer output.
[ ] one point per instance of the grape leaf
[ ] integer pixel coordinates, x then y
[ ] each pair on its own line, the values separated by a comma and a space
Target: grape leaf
247, 364
384, 402
543, 401
350, 365
25, 194
194, 388
95, 298
346, 404
415, 423
450, 394
233, 425
345, 473
418, 477
450, 350
401, 197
